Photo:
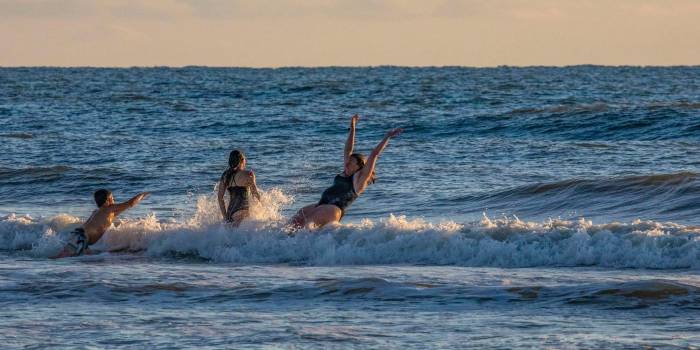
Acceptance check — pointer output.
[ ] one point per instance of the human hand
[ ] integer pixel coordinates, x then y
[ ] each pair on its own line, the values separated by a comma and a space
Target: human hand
394, 132
354, 119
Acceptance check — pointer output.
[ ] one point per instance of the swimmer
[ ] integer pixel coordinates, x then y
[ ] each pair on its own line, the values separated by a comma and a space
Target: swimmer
98, 223
240, 184
357, 174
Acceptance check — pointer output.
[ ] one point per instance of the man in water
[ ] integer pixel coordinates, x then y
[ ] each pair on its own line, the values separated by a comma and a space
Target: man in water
100, 220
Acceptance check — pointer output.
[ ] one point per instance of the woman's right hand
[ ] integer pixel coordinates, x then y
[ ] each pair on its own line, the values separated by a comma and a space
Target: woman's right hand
354, 119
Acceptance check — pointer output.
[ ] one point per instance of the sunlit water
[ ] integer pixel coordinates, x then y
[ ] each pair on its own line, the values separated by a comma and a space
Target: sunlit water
530, 207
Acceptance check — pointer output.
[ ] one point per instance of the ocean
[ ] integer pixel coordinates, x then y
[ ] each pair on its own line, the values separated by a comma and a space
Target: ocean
533, 207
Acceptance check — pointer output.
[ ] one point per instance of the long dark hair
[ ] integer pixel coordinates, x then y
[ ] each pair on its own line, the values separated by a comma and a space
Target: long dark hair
361, 160
235, 160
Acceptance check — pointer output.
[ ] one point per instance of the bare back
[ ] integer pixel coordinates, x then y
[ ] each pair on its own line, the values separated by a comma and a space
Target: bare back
98, 223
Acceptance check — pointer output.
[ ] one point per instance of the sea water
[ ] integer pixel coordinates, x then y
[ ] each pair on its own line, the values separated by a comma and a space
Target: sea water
522, 207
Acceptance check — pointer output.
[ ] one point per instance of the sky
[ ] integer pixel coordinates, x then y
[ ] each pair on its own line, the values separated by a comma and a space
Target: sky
276, 33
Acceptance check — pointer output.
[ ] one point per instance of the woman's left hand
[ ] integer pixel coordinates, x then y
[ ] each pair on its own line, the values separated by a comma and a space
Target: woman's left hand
394, 132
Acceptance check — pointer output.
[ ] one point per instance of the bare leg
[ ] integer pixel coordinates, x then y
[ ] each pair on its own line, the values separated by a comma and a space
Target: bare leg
66, 252
323, 215
300, 218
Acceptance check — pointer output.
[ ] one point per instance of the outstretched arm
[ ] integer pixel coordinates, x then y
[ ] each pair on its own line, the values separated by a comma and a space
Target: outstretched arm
220, 197
350, 143
368, 169
119, 208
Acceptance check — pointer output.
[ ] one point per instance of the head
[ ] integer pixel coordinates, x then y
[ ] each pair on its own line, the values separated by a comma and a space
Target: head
236, 160
355, 163
103, 197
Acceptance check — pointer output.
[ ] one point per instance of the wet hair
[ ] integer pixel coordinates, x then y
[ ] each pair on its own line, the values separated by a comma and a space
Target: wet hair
361, 160
101, 196
235, 160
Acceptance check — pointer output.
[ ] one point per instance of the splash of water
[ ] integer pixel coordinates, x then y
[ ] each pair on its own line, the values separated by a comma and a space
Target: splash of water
502, 242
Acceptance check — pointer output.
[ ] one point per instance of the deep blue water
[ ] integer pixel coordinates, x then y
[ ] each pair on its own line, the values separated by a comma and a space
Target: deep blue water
522, 207
474, 137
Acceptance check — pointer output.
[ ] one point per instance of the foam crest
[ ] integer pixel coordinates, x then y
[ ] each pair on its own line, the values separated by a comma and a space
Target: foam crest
499, 242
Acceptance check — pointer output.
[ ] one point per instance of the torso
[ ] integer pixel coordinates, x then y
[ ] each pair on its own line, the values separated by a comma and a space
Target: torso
98, 223
341, 194
239, 197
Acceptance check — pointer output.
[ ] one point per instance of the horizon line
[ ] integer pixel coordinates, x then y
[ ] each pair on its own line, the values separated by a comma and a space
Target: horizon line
359, 66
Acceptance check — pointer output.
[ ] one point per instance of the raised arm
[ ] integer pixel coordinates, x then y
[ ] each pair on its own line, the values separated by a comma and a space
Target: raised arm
220, 196
350, 143
366, 172
120, 207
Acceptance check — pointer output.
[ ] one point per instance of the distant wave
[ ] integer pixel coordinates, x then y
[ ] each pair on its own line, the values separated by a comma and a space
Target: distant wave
674, 195
17, 135
394, 240
623, 295
603, 107
662, 120
592, 107
609, 185
605, 295
7, 173
129, 97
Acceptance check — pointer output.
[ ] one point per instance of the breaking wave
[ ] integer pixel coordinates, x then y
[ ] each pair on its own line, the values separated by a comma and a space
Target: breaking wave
497, 242
671, 196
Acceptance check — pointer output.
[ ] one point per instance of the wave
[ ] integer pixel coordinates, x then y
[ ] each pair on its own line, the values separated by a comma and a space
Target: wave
662, 195
602, 107
7, 173
671, 120
504, 242
562, 109
632, 294
621, 295
18, 135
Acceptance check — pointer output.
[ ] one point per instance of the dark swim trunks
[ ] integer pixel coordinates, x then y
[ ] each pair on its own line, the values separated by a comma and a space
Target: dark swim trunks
78, 241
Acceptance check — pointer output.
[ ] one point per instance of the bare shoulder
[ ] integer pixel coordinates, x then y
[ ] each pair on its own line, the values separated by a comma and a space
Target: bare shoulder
245, 177
245, 174
115, 208
98, 217
102, 210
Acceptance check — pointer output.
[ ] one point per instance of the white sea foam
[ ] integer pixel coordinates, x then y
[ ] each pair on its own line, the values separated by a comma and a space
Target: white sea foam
504, 242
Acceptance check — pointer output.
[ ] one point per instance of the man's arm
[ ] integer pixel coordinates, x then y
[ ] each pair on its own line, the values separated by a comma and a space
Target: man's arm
350, 142
119, 208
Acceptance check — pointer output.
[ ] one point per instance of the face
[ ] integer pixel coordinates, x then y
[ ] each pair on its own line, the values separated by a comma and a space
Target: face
243, 163
351, 166
110, 200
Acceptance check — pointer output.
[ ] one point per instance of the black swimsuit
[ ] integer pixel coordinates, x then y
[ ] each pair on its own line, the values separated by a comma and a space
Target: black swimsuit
239, 199
341, 193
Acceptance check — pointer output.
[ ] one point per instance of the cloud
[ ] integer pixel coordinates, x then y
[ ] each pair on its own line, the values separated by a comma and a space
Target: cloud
269, 9
46, 8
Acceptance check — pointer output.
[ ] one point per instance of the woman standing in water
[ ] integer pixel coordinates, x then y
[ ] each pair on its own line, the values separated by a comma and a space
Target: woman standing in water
240, 184
357, 174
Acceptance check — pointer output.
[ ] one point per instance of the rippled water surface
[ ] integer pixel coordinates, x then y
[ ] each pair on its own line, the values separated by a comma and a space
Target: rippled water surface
522, 207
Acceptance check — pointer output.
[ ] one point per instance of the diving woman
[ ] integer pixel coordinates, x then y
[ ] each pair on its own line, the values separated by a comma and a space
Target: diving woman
358, 173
